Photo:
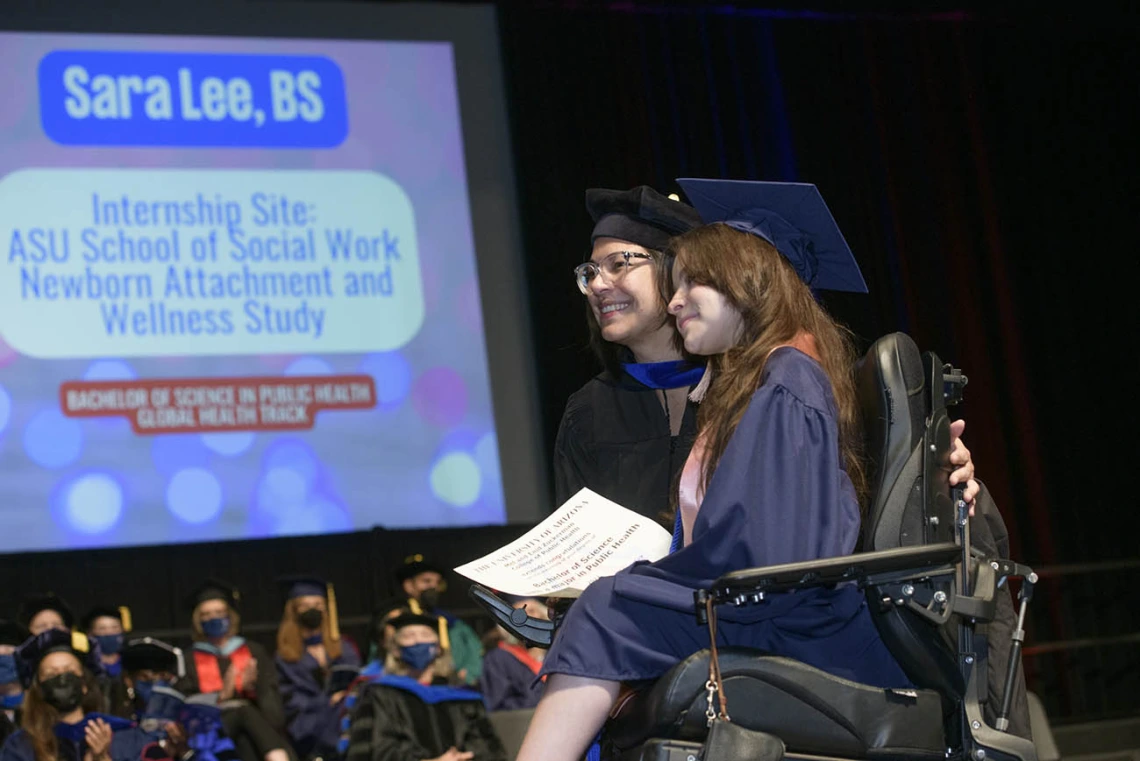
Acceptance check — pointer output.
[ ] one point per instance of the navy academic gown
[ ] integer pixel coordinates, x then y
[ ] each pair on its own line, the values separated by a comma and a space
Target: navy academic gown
127, 744
508, 684
779, 495
313, 724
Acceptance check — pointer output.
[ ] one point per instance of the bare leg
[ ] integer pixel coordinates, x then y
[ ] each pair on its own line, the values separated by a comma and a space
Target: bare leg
568, 717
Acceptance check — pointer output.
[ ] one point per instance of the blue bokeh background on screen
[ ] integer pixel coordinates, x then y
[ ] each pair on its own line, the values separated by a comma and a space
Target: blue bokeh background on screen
424, 455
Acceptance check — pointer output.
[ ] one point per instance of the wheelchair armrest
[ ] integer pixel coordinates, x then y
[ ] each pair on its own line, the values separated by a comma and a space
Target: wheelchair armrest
534, 631
751, 585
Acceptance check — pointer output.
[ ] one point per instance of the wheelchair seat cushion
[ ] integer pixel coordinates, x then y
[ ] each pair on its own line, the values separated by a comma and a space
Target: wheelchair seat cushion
810, 710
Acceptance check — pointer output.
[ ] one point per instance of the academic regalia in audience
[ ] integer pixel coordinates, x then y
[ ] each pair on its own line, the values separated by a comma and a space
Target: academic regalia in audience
12, 635
315, 665
380, 632
36, 613
423, 582
252, 712
128, 743
510, 678
105, 627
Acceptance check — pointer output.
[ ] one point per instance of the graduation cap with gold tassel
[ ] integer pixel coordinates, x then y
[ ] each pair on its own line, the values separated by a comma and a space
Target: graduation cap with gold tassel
303, 585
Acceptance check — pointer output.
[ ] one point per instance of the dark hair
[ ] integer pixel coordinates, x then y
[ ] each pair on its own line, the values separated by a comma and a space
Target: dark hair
610, 354
776, 306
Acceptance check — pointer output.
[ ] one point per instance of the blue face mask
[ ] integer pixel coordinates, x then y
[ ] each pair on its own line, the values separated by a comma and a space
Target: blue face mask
216, 627
419, 656
145, 689
8, 672
12, 701
109, 644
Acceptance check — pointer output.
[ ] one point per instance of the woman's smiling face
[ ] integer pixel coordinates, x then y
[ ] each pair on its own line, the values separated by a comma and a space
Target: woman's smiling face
623, 295
705, 319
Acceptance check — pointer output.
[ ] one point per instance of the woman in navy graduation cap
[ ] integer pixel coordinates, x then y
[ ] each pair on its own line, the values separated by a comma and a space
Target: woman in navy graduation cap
315, 665
626, 433
419, 710
239, 672
773, 478
60, 718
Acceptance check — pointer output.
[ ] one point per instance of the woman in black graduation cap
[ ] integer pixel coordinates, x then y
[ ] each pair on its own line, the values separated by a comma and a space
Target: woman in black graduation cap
414, 712
60, 720
47, 611
12, 635
626, 433
239, 672
315, 665
104, 626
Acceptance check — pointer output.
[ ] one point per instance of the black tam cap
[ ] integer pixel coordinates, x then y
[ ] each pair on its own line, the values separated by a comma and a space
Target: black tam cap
33, 606
105, 611
413, 619
152, 654
12, 633
641, 215
414, 565
214, 589
29, 654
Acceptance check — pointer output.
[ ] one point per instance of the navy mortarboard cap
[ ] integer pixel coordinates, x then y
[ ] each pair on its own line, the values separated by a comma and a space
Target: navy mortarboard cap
413, 619
13, 633
641, 215
214, 589
147, 653
32, 606
122, 613
792, 217
414, 565
35, 649
300, 585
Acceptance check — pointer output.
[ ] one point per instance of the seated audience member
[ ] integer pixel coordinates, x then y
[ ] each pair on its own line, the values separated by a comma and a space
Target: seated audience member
151, 672
104, 627
12, 635
239, 673
315, 666
510, 668
60, 721
423, 582
47, 611
381, 634
413, 712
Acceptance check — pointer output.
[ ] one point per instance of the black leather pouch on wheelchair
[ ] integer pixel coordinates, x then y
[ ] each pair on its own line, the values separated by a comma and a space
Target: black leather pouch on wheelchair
925, 588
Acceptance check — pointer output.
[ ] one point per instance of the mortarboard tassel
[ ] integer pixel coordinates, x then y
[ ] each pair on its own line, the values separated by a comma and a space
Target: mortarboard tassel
79, 642
444, 638
414, 606
125, 616
334, 622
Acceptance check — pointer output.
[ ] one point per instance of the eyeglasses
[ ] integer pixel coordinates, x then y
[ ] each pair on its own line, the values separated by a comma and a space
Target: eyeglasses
614, 266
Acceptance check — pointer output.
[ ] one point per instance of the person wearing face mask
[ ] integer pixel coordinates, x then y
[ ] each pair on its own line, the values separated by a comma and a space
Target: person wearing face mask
510, 668
152, 670
415, 712
46, 611
238, 673
422, 581
315, 665
12, 635
382, 633
60, 721
104, 626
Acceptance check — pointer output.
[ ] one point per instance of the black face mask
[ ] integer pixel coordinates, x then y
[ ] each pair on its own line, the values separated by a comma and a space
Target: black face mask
311, 618
429, 598
63, 692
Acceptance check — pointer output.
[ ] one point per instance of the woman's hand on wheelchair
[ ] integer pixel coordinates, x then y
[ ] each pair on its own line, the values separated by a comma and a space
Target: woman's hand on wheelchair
964, 466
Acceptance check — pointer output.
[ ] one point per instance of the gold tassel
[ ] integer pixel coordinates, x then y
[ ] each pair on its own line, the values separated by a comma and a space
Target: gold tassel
414, 606
125, 615
334, 622
444, 638
79, 642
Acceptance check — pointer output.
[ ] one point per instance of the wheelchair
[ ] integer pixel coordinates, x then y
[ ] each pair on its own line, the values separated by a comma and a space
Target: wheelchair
926, 587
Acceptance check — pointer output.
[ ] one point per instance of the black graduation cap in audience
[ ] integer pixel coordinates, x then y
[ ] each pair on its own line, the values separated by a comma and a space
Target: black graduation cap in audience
792, 216
35, 649
48, 601
412, 619
122, 612
214, 589
147, 653
414, 565
640, 215
13, 633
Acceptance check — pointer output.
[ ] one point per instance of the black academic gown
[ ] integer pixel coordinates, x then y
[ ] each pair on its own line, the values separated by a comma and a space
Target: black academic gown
398, 719
615, 440
127, 744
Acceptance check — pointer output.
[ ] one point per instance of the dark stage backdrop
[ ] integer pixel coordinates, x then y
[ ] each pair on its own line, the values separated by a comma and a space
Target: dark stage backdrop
983, 170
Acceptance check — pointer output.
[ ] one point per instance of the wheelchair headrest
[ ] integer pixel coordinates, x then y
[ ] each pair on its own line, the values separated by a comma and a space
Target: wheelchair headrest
891, 387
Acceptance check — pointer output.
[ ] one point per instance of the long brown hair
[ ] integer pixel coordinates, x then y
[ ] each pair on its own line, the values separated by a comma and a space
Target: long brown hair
39, 718
610, 354
776, 307
291, 647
